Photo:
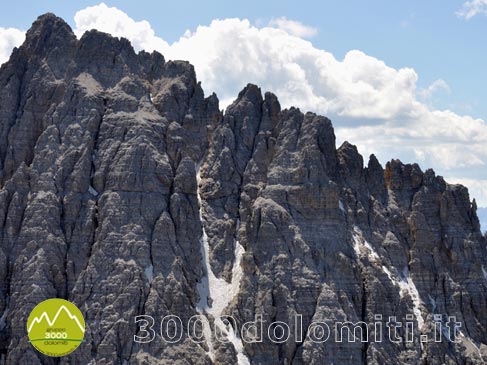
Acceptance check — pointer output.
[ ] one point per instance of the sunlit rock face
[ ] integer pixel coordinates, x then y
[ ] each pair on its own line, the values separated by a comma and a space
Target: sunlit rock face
128, 192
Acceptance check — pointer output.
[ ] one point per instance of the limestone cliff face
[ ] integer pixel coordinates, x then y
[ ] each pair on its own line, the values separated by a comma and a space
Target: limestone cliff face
128, 192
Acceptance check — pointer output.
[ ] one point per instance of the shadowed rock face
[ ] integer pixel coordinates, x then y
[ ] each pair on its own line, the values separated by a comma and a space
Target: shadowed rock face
114, 163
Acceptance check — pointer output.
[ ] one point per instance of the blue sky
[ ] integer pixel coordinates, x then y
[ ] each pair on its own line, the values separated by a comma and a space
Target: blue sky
425, 35
401, 79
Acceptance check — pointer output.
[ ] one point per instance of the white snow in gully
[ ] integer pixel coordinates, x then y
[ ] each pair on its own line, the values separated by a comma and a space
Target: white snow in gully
406, 285
215, 293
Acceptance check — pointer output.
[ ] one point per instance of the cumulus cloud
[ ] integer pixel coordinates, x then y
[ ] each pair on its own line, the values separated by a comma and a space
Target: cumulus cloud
471, 8
231, 52
9, 38
293, 27
116, 22
379, 108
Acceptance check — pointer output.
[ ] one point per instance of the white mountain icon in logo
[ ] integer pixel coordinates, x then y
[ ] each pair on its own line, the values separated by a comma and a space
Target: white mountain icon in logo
45, 316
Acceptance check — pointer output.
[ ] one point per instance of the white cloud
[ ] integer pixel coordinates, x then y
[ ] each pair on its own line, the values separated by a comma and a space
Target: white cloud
231, 52
116, 22
435, 87
471, 8
293, 27
9, 38
377, 107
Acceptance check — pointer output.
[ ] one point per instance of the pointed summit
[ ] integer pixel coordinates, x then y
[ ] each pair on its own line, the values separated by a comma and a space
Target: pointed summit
252, 93
49, 32
49, 21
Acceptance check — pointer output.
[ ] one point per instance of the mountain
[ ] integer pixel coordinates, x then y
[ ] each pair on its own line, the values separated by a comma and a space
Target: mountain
128, 192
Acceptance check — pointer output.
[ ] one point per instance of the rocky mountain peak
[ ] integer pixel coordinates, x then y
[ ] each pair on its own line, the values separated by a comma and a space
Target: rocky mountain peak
47, 30
127, 191
48, 36
252, 93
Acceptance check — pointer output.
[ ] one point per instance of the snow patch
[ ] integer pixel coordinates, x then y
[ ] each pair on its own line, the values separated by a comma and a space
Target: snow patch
149, 273
389, 274
341, 206
214, 292
363, 248
432, 302
406, 285
484, 272
3, 319
150, 97
92, 191
361, 245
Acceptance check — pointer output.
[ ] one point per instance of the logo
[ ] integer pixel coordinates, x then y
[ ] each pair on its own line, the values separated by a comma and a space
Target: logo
56, 327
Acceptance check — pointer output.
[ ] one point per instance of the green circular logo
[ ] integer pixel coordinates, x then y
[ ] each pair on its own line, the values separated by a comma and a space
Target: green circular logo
56, 327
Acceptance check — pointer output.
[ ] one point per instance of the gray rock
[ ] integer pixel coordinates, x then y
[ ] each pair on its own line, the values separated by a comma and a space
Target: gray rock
126, 191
